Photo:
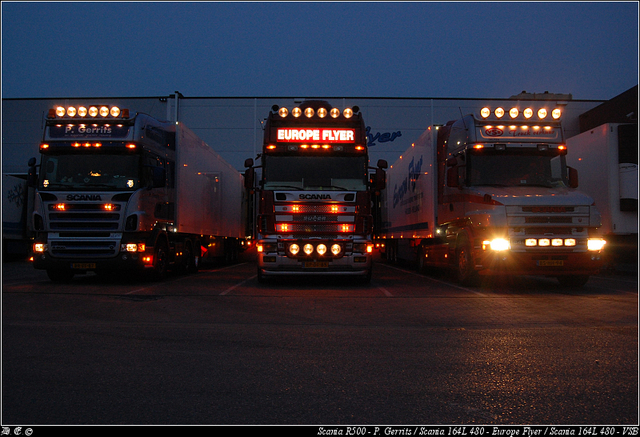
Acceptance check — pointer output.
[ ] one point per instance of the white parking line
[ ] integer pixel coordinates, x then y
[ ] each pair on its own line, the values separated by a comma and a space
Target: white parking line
435, 280
237, 285
384, 290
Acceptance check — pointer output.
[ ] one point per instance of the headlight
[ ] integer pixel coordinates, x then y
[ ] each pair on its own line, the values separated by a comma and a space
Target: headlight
322, 249
497, 244
336, 249
308, 249
595, 244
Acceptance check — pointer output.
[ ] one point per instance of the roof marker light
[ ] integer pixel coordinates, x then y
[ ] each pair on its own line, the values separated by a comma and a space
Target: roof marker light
556, 113
485, 112
528, 113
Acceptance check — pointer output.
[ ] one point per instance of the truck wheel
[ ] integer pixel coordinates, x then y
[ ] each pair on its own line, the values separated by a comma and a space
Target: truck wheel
420, 264
261, 278
573, 281
466, 274
189, 264
160, 261
60, 275
366, 279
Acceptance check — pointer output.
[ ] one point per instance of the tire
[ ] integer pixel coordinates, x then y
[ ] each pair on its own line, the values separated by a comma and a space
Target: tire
60, 275
465, 273
261, 278
160, 261
420, 264
573, 281
189, 264
366, 279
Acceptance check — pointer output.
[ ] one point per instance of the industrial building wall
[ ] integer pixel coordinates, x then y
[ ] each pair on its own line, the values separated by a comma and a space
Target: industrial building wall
232, 126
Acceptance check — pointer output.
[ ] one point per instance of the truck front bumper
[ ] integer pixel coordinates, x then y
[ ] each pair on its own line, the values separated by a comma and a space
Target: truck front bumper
121, 262
272, 264
544, 264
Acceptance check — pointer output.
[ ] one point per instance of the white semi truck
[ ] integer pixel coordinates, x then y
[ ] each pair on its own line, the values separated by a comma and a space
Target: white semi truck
607, 159
116, 192
14, 216
491, 194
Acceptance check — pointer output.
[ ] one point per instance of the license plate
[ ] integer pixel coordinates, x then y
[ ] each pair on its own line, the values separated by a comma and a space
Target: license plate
316, 265
550, 263
83, 266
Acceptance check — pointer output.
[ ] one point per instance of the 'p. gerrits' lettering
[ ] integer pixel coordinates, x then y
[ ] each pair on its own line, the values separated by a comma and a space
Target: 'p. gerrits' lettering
315, 196
83, 197
83, 129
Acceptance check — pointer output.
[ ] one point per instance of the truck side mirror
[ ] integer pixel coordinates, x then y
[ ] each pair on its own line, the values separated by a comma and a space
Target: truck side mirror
380, 177
573, 177
248, 162
32, 176
249, 178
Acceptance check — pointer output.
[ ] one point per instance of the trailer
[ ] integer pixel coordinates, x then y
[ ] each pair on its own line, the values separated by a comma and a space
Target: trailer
115, 192
314, 196
15, 242
491, 194
607, 159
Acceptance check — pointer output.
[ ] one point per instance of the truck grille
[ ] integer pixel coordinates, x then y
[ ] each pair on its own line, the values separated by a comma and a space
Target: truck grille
83, 217
84, 230
564, 224
80, 249
314, 227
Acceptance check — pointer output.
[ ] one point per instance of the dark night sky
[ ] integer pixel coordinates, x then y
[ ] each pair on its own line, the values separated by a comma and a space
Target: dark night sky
331, 49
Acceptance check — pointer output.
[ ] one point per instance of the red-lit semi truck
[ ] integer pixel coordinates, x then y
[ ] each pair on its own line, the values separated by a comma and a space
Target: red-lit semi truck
491, 194
116, 192
314, 207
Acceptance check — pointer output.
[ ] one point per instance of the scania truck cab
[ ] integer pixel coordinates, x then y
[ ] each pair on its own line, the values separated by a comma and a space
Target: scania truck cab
315, 193
117, 191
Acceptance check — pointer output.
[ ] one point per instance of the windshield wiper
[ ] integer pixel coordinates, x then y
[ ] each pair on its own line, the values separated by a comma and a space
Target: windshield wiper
290, 187
536, 185
329, 186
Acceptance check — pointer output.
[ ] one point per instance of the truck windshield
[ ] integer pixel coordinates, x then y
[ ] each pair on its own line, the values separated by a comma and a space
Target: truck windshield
315, 172
95, 172
515, 169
